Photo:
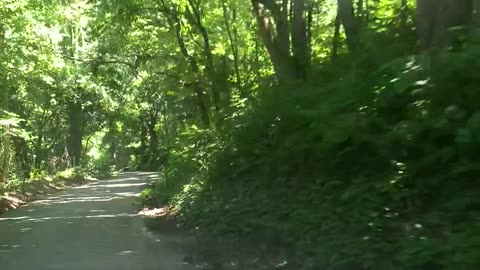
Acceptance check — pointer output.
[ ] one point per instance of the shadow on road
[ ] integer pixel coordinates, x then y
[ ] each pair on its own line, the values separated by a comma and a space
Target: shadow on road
90, 227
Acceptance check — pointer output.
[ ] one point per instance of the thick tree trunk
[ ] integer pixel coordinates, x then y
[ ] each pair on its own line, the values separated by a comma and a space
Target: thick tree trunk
111, 139
282, 40
283, 28
143, 143
39, 151
5, 169
336, 38
5, 157
166, 126
153, 135
310, 10
75, 136
276, 42
202, 105
350, 24
300, 40
437, 21
24, 158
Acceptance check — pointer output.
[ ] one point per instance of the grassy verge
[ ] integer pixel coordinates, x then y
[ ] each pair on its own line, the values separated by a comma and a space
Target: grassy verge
18, 193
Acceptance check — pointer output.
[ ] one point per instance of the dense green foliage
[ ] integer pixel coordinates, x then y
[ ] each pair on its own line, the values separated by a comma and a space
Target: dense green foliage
391, 185
346, 131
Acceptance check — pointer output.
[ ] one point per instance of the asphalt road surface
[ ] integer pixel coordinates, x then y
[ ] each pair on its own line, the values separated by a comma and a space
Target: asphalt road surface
90, 227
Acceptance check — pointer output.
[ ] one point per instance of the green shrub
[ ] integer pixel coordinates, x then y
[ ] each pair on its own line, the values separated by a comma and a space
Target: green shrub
354, 174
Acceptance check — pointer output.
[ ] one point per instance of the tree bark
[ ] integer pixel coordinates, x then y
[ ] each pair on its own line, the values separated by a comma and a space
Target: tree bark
5, 158
300, 40
280, 17
166, 125
233, 38
202, 101
276, 42
75, 136
283, 28
144, 159
152, 133
349, 22
24, 158
202, 105
195, 19
336, 38
436, 20
309, 30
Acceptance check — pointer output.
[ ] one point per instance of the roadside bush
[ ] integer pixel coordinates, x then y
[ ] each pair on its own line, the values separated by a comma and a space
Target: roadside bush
376, 173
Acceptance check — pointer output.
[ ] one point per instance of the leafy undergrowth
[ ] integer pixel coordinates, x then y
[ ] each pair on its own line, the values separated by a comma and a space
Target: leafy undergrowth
378, 174
18, 193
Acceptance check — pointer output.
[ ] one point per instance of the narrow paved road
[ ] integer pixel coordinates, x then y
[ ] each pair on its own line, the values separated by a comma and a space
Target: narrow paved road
87, 228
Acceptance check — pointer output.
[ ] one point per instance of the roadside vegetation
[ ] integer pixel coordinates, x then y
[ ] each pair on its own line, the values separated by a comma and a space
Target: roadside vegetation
17, 193
330, 134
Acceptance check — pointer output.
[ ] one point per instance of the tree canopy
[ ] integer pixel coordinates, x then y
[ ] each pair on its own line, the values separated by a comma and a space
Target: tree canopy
350, 128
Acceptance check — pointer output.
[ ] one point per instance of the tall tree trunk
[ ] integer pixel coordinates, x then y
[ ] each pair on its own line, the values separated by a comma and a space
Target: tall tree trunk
5, 158
275, 38
112, 139
336, 38
436, 21
195, 19
311, 7
5, 169
300, 40
202, 100
284, 26
166, 125
282, 40
257, 59
166, 141
233, 38
24, 159
349, 22
143, 142
202, 105
39, 149
153, 135
75, 136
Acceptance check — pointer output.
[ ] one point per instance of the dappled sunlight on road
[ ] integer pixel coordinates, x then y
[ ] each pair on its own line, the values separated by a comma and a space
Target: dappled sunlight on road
97, 186
113, 196
91, 227
30, 219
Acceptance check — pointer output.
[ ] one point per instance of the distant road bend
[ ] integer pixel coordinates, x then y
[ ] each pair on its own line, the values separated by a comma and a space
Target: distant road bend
91, 227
